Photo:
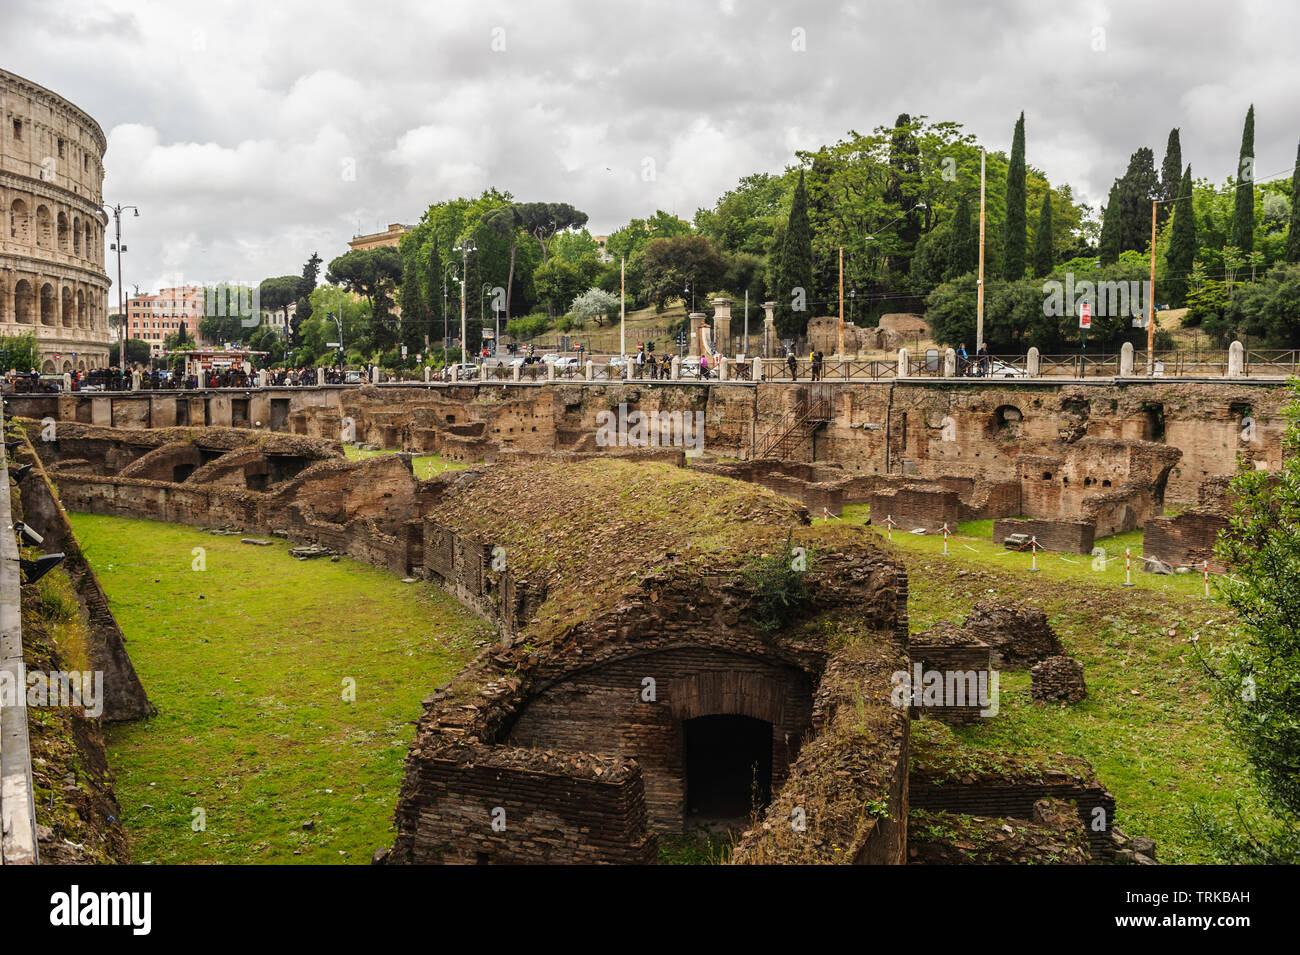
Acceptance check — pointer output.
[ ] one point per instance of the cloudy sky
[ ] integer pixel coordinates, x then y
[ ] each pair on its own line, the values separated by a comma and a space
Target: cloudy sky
252, 133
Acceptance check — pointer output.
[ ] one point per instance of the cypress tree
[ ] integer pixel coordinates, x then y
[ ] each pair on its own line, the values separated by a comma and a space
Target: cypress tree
1015, 238
796, 267
1108, 244
1043, 259
433, 297
1182, 241
1243, 217
1136, 190
961, 251
1171, 174
1293, 235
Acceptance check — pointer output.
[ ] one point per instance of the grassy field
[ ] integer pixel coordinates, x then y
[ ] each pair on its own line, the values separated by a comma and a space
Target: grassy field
1148, 726
424, 465
249, 661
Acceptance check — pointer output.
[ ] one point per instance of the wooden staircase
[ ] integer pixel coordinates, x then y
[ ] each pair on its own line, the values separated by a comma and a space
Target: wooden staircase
794, 428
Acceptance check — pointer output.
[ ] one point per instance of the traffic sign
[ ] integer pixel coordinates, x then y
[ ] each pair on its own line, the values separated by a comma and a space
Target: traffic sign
1085, 315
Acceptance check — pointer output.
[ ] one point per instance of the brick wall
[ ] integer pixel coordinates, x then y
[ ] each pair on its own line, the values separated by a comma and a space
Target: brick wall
1184, 540
1066, 537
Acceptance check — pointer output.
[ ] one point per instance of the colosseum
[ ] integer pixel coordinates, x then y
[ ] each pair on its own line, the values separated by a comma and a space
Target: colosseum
52, 278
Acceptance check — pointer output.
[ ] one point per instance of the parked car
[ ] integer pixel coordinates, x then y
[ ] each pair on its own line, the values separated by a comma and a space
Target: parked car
567, 361
1000, 369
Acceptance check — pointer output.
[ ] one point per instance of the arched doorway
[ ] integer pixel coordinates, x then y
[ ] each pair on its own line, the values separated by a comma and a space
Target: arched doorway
728, 767
48, 305
68, 314
24, 303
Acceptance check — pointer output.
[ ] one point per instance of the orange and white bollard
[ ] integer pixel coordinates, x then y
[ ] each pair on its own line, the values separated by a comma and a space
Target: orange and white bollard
826, 514
945, 538
889, 527
1033, 553
1128, 567
1205, 567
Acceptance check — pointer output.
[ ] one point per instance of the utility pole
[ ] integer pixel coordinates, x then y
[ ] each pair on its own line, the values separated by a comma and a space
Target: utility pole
979, 287
121, 307
841, 303
1151, 299
622, 309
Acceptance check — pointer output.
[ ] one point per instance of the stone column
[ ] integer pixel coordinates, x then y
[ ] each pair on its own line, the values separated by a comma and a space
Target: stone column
950, 363
67, 383
135, 381
676, 372
482, 372
1032, 364
903, 368
261, 378
1126, 360
724, 369
455, 372
550, 371
1236, 360
722, 325
769, 329
320, 376
514, 372
591, 369
203, 378
697, 322
426, 374
758, 369
374, 375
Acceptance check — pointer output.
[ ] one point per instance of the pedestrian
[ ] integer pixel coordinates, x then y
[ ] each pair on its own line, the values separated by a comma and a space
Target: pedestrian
794, 366
985, 363
963, 360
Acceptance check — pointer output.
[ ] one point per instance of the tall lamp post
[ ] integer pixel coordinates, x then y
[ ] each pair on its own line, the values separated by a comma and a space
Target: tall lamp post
465, 248
119, 248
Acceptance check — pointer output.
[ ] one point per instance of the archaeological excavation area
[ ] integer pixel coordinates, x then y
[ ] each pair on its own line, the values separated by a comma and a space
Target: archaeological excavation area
718, 643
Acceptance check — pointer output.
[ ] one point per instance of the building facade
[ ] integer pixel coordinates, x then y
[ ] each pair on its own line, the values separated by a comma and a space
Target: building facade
152, 318
52, 278
376, 240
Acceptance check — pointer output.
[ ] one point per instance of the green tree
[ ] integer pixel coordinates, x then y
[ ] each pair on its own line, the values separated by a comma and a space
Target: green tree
1108, 244
310, 276
278, 294
374, 274
1043, 258
1014, 233
414, 323
1182, 242
1136, 190
1293, 233
794, 285
1258, 679
963, 241
668, 266
1243, 218
1171, 171
20, 352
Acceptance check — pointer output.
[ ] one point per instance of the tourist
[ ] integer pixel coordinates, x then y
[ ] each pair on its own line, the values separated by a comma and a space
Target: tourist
794, 366
963, 360
983, 360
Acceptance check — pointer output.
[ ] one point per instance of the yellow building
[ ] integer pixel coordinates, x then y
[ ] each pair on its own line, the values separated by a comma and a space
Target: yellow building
379, 239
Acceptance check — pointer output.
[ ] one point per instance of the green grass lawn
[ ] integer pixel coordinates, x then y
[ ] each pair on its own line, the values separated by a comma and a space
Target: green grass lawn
248, 662
1149, 727
424, 465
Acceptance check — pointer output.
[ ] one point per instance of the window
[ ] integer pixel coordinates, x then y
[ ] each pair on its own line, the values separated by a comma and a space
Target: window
60, 149
18, 129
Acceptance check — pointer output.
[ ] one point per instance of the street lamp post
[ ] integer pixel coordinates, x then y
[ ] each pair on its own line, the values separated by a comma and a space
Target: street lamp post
118, 247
